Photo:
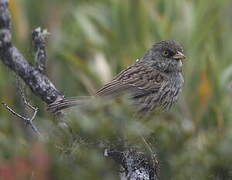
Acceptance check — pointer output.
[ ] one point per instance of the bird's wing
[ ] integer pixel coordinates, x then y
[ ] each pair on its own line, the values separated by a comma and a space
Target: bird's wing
139, 77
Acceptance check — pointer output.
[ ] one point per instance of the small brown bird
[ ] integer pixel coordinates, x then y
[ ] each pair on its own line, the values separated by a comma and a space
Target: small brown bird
153, 81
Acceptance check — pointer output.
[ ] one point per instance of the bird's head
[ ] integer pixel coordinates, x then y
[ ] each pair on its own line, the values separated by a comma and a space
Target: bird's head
166, 55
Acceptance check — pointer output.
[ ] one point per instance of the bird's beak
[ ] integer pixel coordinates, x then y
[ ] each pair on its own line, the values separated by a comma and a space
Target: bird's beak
179, 56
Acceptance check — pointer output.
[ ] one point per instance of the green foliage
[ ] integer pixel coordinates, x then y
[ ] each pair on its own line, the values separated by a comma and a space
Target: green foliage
93, 40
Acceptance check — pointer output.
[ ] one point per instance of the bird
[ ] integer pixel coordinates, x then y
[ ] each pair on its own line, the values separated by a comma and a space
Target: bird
153, 81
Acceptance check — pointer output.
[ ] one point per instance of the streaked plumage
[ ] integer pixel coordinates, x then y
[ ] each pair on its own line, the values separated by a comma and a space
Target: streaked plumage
153, 81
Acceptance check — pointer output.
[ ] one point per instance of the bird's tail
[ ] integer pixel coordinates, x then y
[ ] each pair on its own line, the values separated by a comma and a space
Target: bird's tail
68, 103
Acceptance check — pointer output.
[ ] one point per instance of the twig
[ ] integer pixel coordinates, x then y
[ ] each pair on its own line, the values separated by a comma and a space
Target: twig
39, 36
147, 145
28, 121
27, 104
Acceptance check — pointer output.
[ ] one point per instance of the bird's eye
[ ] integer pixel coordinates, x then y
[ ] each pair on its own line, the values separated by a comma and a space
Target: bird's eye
165, 53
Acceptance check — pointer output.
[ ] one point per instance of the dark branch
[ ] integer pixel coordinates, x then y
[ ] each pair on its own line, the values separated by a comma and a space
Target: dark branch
134, 164
11, 57
38, 40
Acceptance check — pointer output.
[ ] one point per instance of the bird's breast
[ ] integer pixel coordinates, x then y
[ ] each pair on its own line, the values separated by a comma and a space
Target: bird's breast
176, 79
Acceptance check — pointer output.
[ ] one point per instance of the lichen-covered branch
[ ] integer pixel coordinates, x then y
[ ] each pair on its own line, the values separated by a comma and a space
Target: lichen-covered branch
11, 57
135, 164
38, 40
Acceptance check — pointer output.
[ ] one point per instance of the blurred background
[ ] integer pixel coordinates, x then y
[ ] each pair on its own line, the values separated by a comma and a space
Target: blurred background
90, 42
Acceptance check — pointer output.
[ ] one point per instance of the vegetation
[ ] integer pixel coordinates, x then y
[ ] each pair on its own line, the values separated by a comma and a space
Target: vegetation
92, 40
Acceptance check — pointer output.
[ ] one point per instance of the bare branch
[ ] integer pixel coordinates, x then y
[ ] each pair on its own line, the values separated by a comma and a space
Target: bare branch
28, 121
11, 57
39, 36
134, 164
